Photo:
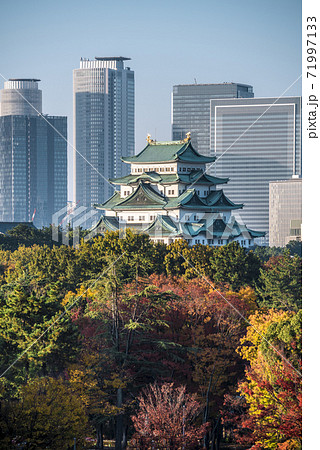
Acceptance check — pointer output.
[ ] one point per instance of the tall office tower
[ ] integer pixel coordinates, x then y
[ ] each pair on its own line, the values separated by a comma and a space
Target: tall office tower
285, 211
103, 126
21, 97
256, 141
190, 109
33, 164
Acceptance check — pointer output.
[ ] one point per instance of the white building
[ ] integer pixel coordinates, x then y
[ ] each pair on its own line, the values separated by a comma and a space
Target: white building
285, 211
103, 125
169, 195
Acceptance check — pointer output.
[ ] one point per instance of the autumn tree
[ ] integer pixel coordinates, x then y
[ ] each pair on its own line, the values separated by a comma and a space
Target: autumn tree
209, 323
165, 417
124, 324
272, 385
46, 414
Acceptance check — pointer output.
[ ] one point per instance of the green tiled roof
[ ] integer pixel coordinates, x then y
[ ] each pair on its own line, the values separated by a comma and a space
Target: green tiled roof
110, 203
153, 177
146, 197
218, 200
195, 176
168, 152
108, 223
163, 226
143, 197
188, 200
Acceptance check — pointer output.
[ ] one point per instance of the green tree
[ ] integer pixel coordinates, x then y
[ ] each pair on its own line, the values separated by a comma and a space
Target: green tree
31, 325
235, 266
280, 282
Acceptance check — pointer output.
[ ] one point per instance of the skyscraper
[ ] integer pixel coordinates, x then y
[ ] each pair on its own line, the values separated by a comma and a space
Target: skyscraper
255, 140
21, 97
33, 156
191, 109
103, 126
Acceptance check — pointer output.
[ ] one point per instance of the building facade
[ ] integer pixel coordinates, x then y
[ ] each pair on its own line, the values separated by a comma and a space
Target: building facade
190, 111
33, 166
21, 97
255, 141
285, 211
169, 196
103, 126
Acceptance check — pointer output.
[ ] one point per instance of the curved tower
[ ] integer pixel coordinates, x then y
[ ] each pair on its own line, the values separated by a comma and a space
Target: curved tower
21, 97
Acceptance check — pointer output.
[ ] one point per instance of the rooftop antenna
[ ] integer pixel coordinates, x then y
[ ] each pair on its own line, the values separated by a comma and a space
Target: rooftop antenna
195, 81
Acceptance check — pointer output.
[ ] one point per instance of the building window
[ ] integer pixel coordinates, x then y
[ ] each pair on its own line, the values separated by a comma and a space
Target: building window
130, 218
172, 169
167, 169
196, 217
141, 218
184, 169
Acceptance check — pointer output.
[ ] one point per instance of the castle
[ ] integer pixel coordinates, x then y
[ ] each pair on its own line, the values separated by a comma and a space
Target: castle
169, 195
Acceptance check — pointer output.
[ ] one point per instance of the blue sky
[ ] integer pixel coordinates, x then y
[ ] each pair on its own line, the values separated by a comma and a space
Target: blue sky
170, 42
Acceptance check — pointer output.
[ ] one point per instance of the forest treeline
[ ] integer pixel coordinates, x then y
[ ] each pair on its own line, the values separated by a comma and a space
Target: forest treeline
148, 345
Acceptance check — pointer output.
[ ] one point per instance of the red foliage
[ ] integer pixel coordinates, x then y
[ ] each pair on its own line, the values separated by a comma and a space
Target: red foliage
165, 417
282, 416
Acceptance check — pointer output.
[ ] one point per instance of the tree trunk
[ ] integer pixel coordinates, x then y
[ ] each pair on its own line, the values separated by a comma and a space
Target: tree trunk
119, 422
100, 436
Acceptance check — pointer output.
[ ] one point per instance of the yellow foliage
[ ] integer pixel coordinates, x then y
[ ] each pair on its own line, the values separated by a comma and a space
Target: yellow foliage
260, 322
48, 415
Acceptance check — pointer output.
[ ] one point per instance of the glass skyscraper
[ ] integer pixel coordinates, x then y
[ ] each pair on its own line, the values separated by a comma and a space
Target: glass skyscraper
103, 126
256, 141
33, 157
190, 110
